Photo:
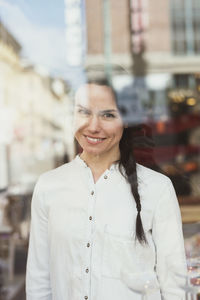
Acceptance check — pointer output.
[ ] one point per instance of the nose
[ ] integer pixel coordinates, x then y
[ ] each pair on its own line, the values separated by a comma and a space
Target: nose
94, 124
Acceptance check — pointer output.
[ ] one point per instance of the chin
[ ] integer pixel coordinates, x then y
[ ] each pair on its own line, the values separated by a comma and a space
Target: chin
93, 151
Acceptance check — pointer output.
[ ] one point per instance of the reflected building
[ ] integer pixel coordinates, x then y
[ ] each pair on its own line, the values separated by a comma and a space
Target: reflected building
9, 59
35, 117
165, 33
127, 41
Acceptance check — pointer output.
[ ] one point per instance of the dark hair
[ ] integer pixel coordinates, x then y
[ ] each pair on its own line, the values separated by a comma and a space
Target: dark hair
127, 163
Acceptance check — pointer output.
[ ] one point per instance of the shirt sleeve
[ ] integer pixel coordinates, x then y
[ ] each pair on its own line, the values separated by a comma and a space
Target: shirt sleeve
37, 271
167, 233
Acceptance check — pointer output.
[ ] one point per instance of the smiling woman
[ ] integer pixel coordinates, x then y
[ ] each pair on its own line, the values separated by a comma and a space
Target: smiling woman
98, 124
102, 221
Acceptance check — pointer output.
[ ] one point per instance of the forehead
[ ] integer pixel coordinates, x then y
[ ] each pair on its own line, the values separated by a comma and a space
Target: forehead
95, 96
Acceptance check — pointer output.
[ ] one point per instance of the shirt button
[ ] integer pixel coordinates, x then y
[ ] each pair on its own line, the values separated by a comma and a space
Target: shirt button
87, 270
90, 218
105, 176
88, 245
92, 192
86, 297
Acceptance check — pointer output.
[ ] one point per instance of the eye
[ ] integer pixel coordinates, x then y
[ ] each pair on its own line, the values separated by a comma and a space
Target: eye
108, 115
83, 111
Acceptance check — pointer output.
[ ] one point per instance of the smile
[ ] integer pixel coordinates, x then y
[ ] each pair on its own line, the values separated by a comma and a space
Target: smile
94, 141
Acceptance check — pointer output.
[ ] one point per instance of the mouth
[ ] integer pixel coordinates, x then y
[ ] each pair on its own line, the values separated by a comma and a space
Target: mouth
94, 140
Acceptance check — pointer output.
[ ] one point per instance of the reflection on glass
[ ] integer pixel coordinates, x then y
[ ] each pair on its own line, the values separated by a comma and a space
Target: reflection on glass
144, 283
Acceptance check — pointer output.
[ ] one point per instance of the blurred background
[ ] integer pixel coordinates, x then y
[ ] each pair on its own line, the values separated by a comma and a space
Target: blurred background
148, 50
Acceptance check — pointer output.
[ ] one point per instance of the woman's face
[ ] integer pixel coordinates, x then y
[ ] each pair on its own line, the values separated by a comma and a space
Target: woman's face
98, 125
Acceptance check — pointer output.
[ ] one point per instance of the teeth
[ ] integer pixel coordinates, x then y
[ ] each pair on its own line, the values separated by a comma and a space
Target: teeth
94, 140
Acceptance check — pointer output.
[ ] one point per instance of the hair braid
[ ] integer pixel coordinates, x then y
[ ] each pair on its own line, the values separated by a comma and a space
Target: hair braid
127, 161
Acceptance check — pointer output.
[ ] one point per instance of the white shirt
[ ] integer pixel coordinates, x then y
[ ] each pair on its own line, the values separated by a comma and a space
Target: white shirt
82, 238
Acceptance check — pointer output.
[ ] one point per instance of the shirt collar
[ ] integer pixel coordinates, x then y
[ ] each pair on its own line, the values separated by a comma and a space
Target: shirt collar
82, 163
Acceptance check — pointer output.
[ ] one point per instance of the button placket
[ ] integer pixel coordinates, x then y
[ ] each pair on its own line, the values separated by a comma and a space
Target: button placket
90, 224
90, 251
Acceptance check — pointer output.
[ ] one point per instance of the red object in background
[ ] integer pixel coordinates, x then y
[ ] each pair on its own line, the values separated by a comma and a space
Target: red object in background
143, 145
177, 125
167, 153
146, 152
161, 127
147, 155
144, 156
195, 281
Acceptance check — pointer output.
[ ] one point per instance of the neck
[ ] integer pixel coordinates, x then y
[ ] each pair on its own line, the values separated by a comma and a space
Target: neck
100, 162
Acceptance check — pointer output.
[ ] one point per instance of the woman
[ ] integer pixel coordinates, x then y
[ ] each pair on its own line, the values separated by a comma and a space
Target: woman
102, 225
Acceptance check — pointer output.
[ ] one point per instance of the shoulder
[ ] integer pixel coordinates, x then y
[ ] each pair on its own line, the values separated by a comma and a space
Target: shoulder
151, 179
157, 189
58, 176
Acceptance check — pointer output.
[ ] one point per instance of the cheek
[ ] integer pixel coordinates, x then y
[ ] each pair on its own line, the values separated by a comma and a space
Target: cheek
119, 133
116, 130
79, 123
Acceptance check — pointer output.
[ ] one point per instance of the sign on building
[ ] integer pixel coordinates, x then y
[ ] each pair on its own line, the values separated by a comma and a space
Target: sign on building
75, 32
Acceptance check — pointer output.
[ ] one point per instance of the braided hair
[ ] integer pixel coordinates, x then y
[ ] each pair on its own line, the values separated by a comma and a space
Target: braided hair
127, 163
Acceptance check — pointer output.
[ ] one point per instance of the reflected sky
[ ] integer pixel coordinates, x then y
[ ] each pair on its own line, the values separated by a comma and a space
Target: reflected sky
39, 26
44, 13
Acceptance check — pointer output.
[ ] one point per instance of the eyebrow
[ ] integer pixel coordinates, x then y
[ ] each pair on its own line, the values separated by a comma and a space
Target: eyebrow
78, 105
102, 111
108, 111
